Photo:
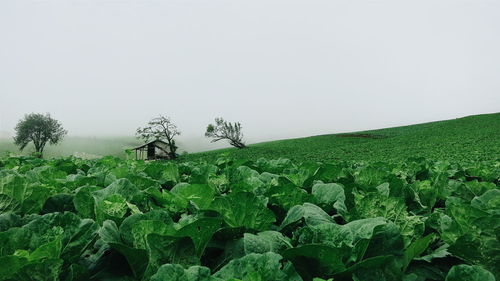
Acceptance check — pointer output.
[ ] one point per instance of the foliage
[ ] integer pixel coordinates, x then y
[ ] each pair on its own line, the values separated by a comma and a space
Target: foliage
39, 129
223, 130
160, 128
111, 219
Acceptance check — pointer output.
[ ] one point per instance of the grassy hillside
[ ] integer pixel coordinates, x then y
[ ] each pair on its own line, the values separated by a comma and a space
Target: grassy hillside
473, 138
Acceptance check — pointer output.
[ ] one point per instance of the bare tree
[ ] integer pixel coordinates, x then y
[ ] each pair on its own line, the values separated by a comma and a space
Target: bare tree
160, 128
39, 129
226, 130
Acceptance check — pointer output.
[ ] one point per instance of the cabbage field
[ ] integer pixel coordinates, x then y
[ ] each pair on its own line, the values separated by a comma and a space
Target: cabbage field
111, 219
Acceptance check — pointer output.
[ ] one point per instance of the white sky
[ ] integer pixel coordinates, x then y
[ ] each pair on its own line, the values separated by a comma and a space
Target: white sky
282, 68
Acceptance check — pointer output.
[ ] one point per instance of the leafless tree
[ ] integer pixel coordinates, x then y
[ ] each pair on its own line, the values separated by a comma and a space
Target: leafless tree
160, 128
226, 130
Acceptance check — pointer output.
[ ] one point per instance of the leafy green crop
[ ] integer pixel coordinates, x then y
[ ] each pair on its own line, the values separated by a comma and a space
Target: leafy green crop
110, 219
463, 139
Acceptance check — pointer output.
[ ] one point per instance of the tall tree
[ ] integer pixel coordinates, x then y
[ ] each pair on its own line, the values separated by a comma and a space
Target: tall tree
160, 128
226, 130
39, 129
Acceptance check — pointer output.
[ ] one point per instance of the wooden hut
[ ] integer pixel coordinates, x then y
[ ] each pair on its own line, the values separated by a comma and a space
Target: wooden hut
152, 150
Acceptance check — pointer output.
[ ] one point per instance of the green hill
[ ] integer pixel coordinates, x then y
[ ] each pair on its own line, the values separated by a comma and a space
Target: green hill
469, 138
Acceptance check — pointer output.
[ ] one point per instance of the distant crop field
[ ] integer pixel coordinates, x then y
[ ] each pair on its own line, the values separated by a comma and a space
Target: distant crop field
469, 138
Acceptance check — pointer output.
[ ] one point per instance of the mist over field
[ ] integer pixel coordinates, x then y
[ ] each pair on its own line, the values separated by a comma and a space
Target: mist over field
90, 146
283, 69
284, 140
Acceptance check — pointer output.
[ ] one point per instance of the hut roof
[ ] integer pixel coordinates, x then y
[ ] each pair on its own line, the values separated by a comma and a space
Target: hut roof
148, 143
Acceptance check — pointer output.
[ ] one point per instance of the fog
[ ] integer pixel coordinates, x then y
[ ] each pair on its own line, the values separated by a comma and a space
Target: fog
283, 69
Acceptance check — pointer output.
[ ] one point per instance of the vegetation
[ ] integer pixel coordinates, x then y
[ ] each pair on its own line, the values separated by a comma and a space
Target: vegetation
469, 138
94, 147
409, 203
223, 130
160, 128
110, 219
38, 129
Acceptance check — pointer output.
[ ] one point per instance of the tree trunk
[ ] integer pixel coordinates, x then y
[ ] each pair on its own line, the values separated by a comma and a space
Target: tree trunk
172, 154
38, 149
238, 144
172, 148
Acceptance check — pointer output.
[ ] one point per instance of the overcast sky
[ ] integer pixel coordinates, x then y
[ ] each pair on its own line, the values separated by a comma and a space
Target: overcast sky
282, 68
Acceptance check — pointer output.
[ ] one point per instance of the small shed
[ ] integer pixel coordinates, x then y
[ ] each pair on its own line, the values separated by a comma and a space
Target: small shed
152, 150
